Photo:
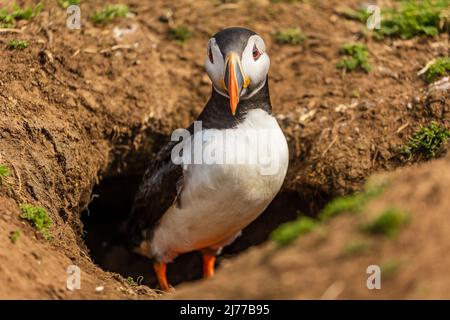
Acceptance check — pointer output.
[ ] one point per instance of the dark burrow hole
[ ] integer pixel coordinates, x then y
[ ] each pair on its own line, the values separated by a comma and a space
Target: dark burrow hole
112, 200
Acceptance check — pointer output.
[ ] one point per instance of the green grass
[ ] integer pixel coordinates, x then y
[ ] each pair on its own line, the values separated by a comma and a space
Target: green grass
131, 281
411, 18
388, 223
67, 3
18, 44
287, 232
355, 94
360, 14
14, 236
440, 68
109, 13
357, 247
427, 141
357, 57
9, 17
354, 203
389, 268
180, 34
292, 36
4, 172
351, 204
136, 282
38, 217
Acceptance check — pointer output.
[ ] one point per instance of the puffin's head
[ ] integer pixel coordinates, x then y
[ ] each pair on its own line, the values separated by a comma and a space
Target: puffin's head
237, 64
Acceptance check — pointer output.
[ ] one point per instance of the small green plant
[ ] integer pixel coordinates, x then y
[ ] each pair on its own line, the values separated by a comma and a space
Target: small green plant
409, 19
4, 172
291, 36
356, 247
131, 281
360, 14
38, 217
388, 223
413, 18
440, 68
18, 44
427, 141
67, 3
389, 268
354, 203
357, 56
8, 18
109, 13
180, 34
286, 233
14, 236
355, 94
351, 204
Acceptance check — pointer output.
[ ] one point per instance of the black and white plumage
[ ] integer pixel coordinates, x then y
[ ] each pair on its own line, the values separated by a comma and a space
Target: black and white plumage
182, 208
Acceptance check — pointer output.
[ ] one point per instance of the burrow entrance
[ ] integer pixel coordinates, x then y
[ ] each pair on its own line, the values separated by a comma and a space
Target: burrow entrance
112, 200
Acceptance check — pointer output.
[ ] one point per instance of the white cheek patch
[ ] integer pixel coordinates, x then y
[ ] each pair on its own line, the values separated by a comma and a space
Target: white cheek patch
215, 70
255, 70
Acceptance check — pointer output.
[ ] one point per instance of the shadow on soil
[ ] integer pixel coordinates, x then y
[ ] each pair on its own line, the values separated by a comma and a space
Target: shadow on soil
112, 202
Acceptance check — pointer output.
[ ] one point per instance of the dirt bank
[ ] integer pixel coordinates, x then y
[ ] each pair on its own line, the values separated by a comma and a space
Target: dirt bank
332, 261
81, 107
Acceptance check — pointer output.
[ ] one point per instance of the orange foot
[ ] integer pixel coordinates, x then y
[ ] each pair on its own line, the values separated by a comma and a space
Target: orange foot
160, 269
208, 265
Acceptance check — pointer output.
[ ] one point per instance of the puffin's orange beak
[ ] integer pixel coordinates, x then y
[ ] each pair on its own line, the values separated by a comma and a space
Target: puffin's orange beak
234, 80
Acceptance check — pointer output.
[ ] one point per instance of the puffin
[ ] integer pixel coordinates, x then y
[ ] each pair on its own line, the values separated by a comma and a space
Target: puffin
185, 205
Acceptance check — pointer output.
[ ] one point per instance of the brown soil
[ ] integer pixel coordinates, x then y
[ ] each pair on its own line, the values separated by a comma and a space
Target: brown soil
413, 265
81, 107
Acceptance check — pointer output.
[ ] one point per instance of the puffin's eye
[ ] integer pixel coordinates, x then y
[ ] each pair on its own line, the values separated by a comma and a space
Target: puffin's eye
256, 53
210, 55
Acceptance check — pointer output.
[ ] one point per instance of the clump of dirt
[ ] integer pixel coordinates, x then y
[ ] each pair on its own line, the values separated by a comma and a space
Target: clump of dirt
80, 107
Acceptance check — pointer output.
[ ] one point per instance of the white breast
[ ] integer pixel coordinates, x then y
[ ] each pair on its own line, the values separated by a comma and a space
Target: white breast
220, 199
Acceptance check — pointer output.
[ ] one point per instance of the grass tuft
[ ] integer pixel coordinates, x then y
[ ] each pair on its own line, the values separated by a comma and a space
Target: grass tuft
354, 203
357, 57
390, 268
440, 68
131, 281
8, 18
357, 247
360, 14
388, 223
67, 3
180, 34
413, 18
109, 13
38, 217
292, 36
4, 172
14, 236
287, 232
351, 204
18, 44
427, 141
409, 19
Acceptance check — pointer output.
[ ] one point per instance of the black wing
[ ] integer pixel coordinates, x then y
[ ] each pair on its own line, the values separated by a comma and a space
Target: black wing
158, 191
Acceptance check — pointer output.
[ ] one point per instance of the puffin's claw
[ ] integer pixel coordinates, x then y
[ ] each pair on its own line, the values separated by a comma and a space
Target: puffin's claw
208, 265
